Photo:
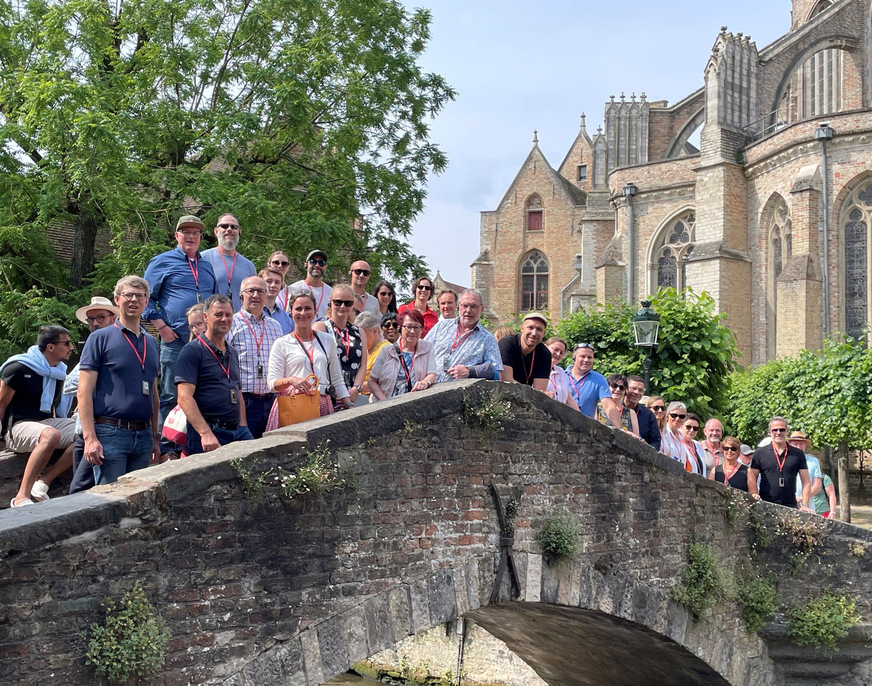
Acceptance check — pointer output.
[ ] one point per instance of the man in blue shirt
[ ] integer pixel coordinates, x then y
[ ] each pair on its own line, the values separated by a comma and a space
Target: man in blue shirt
210, 392
177, 279
118, 405
648, 429
230, 268
589, 387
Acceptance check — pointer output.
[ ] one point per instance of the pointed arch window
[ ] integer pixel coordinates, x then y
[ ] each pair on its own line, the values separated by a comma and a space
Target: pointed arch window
855, 228
780, 252
822, 83
534, 282
673, 250
534, 212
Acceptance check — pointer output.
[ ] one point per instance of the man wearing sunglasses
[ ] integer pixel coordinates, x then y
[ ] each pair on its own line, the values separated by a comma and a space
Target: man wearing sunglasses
363, 301
230, 268
778, 464
316, 266
33, 407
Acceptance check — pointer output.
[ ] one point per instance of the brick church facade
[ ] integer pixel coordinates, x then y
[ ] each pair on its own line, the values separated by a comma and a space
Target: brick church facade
769, 216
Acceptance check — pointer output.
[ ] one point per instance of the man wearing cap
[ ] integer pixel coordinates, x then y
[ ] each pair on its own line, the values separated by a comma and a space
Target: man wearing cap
359, 274
778, 464
589, 387
253, 334
230, 268
177, 279
745, 454
463, 347
208, 379
815, 473
525, 358
33, 407
118, 404
316, 265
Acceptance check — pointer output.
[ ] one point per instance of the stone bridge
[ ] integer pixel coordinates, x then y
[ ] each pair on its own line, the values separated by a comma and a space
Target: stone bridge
260, 589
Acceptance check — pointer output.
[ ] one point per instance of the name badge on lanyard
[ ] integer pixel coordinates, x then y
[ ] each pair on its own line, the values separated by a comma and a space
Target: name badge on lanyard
146, 388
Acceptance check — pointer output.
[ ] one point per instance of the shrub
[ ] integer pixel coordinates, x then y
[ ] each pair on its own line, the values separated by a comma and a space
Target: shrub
702, 584
823, 621
758, 599
559, 538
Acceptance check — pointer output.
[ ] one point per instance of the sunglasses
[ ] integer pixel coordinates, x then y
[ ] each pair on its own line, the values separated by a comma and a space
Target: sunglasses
689, 427
320, 263
675, 415
658, 408
360, 272
280, 263
390, 325
618, 387
425, 288
731, 450
235, 227
583, 345
340, 303
385, 294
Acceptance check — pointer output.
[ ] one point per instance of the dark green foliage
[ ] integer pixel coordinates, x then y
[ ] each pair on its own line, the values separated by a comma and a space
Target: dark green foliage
758, 599
702, 584
559, 538
822, 622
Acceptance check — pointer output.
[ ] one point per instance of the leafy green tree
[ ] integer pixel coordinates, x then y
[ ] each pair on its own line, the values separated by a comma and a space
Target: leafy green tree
692, 359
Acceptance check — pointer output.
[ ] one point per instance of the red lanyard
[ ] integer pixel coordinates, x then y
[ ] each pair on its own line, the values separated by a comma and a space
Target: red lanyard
783, 459
279, 297
578, 386
532, 364
226, 369
135, 351
456, 344
195, 273
262, 333
311, 355
232, 266
716, 454
345, 339
690, 453
411, 368
729, 476
317, 309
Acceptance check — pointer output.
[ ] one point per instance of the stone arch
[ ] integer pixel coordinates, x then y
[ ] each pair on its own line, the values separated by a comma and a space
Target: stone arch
853, 215
817, 8
660, 240
534, 213
534, 278
676, 145
776, 227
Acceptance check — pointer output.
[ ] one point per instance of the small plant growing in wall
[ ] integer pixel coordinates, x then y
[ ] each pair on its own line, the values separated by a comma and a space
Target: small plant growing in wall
487, 414
802, 535
822, 622
559, 538
702, 584
131, 641
251, 482
758, 599
319, 474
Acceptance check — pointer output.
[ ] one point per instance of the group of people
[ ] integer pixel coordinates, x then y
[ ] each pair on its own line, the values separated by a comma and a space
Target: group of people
234, 339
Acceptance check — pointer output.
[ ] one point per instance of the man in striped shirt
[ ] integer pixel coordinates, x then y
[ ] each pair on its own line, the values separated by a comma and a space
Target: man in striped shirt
253, 334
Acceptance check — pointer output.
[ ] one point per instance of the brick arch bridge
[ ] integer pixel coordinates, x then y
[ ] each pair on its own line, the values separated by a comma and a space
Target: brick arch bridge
260, 590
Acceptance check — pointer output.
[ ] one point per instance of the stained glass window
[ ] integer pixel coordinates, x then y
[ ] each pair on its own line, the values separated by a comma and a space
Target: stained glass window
676, 246
534, 282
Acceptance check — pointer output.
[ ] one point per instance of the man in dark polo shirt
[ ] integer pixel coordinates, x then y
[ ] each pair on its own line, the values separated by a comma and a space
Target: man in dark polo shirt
526, 360
118, 399
648, 429
207, 377
778, 465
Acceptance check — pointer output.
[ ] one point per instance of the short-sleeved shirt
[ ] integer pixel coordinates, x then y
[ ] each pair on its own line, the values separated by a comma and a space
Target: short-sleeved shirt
27, 384
821, 501
197, 365
525, 368
229, 272
121, 372
321, 294
771, 474
739, 479
430, 317
588, 390
814, 471
474, 347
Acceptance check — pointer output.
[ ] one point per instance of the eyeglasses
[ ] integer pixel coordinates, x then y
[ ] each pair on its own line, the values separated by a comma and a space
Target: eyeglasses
133, 296
410, 327
341, 303
280, 263
390, 325
232, 227
777, 431
360, 272
191, 233
658, 408
689, 427
385, 294
730, 450
67, 343
422, 287
255, 291
98, 318
320, 263
675, 415
617, 386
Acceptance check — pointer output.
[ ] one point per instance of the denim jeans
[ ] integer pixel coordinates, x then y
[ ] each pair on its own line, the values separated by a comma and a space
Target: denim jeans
169, 353
124, 451
257, 412
224, 437
83, 475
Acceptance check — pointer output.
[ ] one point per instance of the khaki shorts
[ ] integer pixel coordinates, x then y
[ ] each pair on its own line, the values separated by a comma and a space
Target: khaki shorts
24, 436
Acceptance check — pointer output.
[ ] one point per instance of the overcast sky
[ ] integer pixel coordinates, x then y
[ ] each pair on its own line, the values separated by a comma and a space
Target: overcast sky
520, 66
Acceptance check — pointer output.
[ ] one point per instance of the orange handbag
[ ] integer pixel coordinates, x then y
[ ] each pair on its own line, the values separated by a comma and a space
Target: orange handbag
299, 407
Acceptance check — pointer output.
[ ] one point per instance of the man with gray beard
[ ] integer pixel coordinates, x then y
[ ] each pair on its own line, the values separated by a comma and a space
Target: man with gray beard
230, 268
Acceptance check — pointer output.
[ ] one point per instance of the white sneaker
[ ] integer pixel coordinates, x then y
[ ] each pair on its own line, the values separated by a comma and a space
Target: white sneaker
39, 492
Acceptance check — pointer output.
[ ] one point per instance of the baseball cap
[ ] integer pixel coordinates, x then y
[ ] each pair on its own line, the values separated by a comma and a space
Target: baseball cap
746, 449
537, 315
316, 252
190, 220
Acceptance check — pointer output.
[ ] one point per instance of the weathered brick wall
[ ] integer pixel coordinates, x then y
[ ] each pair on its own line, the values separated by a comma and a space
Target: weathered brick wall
256, 590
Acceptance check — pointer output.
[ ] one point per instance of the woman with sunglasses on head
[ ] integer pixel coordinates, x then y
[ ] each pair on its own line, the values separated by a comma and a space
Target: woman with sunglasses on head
280, 261
387, 298
349, 341
671, 436
658, 406
694, 457
618, 387
423, 289
305, 351
406, 365
730, 471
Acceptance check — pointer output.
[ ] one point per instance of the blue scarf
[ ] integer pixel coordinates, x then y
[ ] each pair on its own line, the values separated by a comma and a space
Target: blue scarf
51, 376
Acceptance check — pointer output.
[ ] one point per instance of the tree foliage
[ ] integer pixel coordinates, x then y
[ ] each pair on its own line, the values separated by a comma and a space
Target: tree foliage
308, 119
826, 393
694, 353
